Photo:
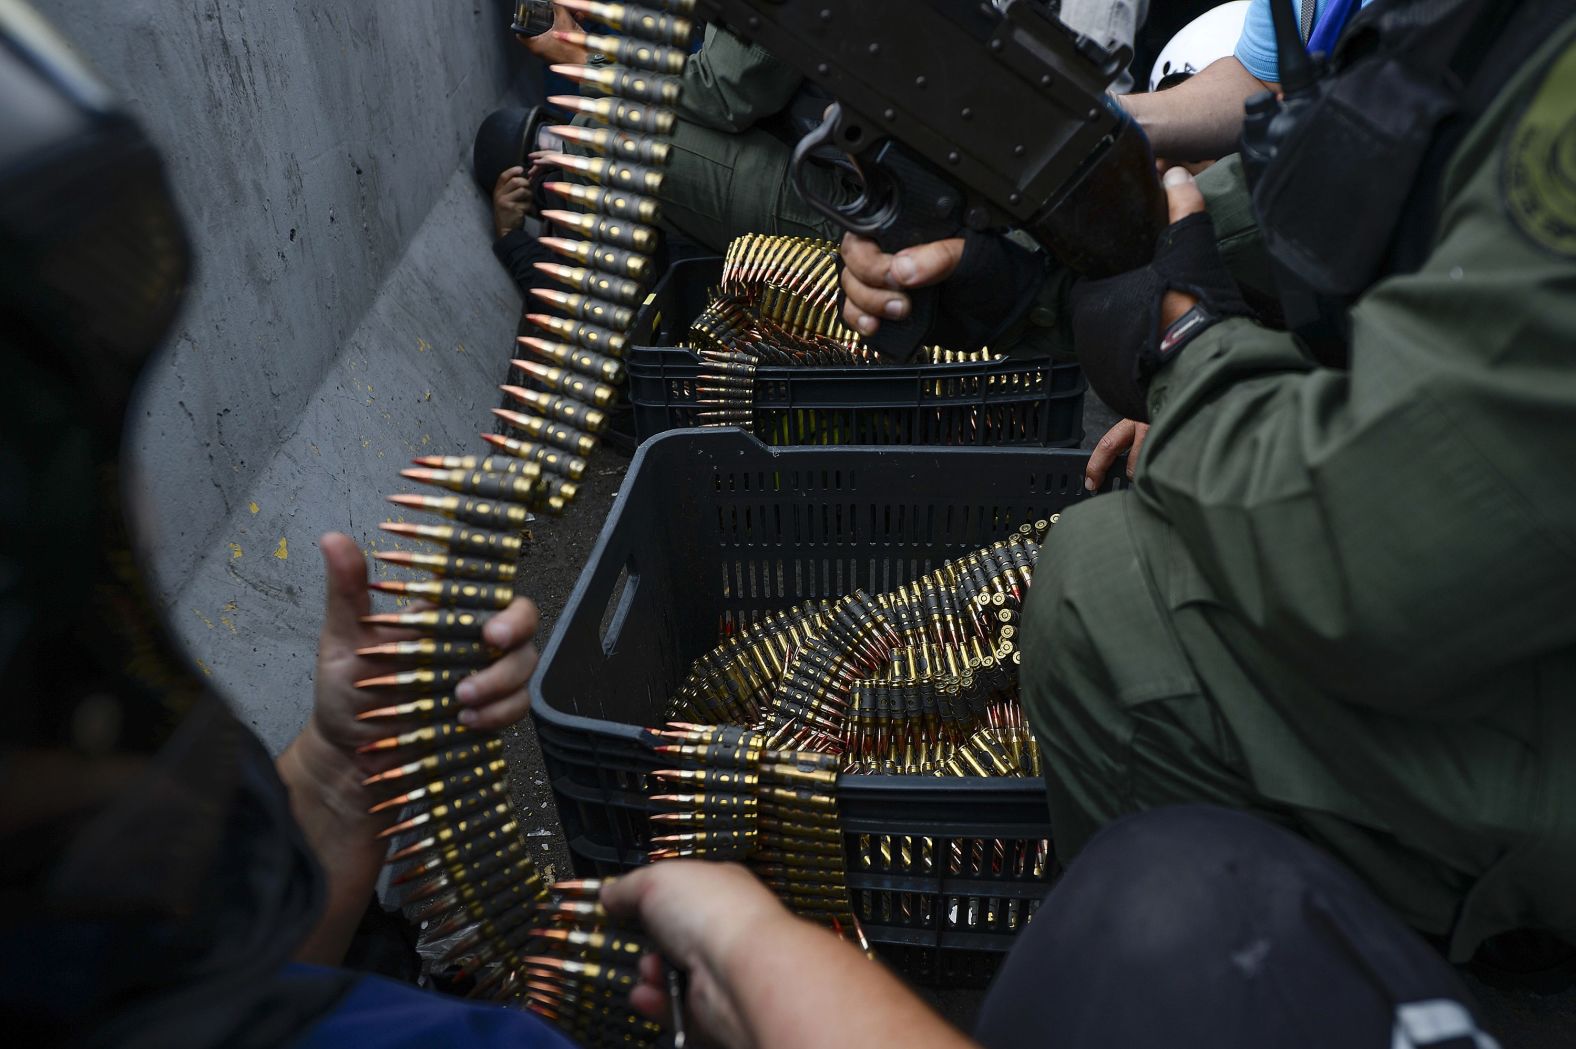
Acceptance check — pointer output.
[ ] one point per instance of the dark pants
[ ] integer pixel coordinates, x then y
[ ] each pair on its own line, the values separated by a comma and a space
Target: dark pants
1199, 926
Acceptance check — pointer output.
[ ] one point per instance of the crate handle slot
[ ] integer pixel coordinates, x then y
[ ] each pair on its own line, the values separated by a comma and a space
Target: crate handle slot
619, 601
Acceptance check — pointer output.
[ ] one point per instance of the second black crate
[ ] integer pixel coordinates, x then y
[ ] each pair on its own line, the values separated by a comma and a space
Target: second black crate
712, 529
1013, 401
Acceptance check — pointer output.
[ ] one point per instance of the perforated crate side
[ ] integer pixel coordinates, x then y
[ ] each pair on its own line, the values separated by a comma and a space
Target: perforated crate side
1018, 401
712, 529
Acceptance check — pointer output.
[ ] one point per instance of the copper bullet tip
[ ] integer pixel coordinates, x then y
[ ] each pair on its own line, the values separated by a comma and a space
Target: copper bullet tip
400, 828
387, 774
373, 715
393, 557
419, 474
389, 586
570, 132
415, 502
380, 681
383, 744
389, 804
390, 648
560, 243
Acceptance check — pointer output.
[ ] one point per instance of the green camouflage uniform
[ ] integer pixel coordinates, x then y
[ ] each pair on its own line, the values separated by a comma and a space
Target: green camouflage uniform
1346, 600
727, 175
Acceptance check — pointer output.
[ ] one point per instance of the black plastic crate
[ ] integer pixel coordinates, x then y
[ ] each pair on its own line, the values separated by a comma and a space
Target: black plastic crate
1016, 401
714, 528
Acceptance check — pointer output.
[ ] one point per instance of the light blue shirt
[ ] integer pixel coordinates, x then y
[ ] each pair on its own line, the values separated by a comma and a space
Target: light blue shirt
1256, 47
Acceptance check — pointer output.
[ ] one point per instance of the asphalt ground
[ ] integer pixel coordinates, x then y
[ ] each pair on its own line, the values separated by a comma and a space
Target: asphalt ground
559, 549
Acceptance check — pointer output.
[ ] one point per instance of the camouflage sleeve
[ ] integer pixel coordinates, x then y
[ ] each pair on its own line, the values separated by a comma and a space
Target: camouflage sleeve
729, 85
1381, 529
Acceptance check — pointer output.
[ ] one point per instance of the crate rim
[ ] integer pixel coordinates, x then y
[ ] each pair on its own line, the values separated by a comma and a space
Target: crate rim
898, 371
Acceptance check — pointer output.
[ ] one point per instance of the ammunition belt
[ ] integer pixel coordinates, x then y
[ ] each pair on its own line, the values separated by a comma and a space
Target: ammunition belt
921, 680
734, 798
777, 304
461, 860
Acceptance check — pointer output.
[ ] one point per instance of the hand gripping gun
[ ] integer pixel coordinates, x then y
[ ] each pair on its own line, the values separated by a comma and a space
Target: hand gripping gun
966, 115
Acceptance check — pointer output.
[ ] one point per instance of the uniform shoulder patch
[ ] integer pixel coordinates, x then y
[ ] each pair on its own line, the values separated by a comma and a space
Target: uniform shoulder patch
1539, 174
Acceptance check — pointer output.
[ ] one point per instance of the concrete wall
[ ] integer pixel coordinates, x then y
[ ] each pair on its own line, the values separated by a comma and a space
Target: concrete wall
347, 311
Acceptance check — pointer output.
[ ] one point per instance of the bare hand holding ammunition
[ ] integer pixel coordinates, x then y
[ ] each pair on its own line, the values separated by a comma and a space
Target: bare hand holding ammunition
698, 915
349, 650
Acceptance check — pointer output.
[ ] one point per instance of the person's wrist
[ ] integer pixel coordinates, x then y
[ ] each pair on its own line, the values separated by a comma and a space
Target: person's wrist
734, 942
327, 772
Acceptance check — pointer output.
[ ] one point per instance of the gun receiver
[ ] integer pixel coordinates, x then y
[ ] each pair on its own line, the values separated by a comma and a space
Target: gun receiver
967, 115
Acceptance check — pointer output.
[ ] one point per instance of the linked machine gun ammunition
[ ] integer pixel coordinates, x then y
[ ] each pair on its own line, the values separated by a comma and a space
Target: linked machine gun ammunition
462, 861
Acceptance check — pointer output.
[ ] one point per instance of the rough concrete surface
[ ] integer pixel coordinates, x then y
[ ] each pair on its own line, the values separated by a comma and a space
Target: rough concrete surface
346, 310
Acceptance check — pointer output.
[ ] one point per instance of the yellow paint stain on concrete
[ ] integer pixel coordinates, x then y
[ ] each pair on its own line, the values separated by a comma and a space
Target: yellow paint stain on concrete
422, 345
366, 443
229, 606
252, 506
426, 395
205, 620
235, 551
425, 440
227, 621
204, 668
282, 551
459, 347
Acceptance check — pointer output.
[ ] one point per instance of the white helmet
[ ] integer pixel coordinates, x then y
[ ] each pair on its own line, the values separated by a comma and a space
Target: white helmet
1208, 38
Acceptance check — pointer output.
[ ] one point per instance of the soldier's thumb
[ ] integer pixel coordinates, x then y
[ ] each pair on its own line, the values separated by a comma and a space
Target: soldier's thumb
1182, 194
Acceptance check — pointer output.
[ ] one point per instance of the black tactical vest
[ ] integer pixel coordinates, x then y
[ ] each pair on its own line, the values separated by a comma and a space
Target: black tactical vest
1352, 192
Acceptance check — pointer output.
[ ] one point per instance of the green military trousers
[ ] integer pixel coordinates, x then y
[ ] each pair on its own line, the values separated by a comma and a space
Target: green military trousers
720, 185
1141, 695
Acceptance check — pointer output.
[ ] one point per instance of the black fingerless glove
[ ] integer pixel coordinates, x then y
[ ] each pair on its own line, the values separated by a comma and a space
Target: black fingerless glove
1116, 321
990, 291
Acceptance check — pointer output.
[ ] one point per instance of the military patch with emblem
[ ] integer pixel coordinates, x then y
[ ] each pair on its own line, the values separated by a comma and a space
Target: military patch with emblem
1539, 175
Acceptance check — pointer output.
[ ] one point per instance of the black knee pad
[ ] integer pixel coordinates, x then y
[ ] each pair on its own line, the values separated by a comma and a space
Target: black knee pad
1199, 926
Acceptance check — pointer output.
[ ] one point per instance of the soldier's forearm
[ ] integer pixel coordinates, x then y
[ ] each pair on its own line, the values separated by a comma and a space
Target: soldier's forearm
1200, 118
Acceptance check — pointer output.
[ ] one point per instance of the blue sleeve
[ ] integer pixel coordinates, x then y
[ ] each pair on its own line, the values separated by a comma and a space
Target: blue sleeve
1256, 46
382, 1014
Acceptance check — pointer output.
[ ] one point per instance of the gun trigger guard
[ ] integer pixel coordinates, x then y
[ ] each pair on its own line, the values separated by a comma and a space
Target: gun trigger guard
854, 216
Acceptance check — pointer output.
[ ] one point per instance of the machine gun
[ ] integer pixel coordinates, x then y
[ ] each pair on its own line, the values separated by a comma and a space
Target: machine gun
963, 114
